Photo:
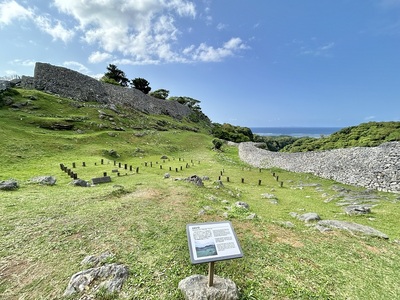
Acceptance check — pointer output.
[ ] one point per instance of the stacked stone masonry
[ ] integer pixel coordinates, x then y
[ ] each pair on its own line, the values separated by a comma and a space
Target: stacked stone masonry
370, 167
71, 84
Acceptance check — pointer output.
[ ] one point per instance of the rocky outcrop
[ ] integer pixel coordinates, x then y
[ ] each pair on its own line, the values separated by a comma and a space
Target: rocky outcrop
375, 168
71, 84
195, 288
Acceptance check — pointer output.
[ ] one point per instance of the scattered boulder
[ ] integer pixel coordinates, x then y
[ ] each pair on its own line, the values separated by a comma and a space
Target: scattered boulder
113, 153
241, 204
80, 182
357, 210
8, 185
352, 227
196, 287
164, 157
195, 180
268, 196
167, 175
307, 217
108, 276
44, 180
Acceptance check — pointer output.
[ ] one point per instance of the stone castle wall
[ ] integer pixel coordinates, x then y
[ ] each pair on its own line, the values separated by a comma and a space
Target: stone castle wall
71, 84
370, 167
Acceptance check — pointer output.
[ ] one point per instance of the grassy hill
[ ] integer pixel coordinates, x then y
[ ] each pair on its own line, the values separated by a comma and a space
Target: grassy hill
369, 134
46, 231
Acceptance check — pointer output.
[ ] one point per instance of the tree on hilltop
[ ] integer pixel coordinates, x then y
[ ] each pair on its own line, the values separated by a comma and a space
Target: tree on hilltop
160, 94
189, 102
197, 115
141, 84
115, 76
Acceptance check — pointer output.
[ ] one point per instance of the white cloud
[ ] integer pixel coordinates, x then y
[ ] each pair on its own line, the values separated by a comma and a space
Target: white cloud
221, 26
136, 31
210, 54
369, 118
97, 57
143, 31
313, 47
23, 63
76, 66
11, 10
57, 31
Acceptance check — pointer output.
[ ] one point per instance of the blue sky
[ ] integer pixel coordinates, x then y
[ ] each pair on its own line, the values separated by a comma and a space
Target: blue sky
250, 63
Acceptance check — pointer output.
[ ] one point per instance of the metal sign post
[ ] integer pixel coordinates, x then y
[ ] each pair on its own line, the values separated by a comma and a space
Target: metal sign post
211, 242
210, 273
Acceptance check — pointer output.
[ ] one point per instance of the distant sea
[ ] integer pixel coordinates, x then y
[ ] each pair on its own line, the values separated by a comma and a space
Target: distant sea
295, 131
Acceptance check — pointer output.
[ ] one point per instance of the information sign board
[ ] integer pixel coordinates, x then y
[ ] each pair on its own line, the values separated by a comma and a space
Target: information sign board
213, 241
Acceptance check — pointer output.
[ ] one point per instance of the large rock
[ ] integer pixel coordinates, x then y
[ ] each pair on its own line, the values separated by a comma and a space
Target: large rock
357, 210
8, 185
196, 287
195, 180
307, 217
352, 227
45, 180
110, 277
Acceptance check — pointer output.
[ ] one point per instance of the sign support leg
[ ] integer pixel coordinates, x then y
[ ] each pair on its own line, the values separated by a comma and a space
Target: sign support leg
211, 273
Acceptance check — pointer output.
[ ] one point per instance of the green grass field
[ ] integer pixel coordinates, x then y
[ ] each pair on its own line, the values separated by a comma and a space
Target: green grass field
46, 231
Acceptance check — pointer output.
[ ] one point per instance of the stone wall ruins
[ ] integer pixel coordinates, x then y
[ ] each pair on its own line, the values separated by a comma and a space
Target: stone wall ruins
71, 84
370, 167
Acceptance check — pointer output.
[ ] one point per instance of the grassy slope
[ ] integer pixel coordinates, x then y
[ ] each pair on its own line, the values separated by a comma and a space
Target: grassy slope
46, 231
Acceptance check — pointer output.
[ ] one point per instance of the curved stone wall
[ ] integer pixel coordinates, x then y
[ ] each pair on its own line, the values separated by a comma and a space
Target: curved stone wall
370, 167
71, 84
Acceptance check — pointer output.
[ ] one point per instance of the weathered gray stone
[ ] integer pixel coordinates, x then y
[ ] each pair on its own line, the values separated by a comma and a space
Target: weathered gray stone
196, 287
268, 196
80, 182
352, 227
94, 260
110, 276
195, 180
309, 217
242, 204
9, 185
45, 180
357, 210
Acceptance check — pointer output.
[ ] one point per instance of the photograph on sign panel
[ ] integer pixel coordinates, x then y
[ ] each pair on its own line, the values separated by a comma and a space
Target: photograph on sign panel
205, 248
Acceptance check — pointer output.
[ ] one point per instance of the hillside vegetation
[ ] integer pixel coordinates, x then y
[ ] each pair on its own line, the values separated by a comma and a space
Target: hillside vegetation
140, 217
369, 134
